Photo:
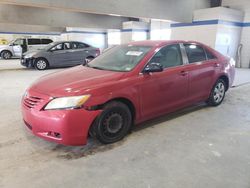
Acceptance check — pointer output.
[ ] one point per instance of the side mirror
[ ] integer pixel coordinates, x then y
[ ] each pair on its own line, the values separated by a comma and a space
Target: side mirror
153, 67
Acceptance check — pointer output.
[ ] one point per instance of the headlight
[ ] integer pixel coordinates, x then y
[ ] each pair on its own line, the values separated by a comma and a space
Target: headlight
29, 55
232, 62
67, 102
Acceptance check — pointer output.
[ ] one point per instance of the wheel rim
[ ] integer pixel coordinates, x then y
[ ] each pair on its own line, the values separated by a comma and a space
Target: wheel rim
112, 124
6, 55
87, 60
219, 92
41, 64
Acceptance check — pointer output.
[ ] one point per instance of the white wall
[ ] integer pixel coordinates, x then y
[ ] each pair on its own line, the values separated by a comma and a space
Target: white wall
243, 5
160, 30
219, 28
204, 34
228, 39
134, 31
219, 13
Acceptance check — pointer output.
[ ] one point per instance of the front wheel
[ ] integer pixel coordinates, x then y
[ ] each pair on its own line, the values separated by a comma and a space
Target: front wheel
6, 55
113, 124
41, 64
218, 93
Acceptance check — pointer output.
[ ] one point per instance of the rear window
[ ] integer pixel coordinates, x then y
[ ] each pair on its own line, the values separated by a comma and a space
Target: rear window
78, 45
34, 41
210, 55
46, 41
195, 53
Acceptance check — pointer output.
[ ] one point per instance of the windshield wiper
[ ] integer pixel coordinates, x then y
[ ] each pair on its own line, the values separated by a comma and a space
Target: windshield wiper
99, 68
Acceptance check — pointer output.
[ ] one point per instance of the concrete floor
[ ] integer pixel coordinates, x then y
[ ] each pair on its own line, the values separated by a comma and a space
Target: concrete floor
197, 147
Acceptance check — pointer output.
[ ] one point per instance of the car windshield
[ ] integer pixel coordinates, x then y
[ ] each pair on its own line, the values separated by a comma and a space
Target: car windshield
12, 41
120, 58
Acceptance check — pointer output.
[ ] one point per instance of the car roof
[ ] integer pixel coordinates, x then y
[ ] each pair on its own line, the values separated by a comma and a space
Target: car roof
62, 41
159, 42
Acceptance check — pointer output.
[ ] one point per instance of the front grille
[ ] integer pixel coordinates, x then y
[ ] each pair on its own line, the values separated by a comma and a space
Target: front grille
31, 101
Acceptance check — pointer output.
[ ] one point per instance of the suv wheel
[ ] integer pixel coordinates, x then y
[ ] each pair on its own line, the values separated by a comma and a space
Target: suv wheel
6, 55
41, 64
113, 124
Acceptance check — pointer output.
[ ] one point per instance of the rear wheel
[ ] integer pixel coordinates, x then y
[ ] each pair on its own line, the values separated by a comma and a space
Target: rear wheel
113, 124
6, 54
218, 93
88, 59
41, 64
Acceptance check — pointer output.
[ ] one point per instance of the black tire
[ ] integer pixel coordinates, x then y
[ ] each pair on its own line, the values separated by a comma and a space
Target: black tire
89, 59
218, 93
41, 64
113, 123
6, 54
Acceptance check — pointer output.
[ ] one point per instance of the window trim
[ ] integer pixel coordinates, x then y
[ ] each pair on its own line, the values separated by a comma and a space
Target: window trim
184, 62
206, 49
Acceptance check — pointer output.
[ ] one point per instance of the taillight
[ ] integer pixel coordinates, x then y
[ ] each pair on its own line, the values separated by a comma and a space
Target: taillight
98, 51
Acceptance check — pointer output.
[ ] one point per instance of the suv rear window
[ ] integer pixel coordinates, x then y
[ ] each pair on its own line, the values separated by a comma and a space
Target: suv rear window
46, 41
34, 41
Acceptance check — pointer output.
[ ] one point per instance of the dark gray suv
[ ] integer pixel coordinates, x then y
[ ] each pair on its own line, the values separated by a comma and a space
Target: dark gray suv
60, 54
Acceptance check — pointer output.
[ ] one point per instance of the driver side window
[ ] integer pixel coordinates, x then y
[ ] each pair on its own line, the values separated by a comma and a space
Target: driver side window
18, 42
169, 56
57, 47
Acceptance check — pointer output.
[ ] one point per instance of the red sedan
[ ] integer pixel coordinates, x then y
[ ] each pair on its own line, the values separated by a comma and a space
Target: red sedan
126, 85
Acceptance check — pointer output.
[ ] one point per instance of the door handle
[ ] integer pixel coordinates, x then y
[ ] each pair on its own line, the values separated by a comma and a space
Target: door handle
184, 73
216, 65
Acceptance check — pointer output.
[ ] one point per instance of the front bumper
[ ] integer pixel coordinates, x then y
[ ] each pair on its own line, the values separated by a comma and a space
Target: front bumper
67, 127
27, 62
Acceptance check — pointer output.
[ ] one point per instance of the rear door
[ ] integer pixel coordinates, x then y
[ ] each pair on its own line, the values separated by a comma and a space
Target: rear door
202, 71
79, 52
165, 91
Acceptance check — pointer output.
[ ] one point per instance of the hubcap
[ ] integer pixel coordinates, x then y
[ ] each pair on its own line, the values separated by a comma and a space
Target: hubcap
113, 123
41, 64
87, 60
6, 55
219, 92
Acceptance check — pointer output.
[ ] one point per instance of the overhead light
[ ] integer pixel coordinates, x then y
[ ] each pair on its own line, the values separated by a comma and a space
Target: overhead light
114, 15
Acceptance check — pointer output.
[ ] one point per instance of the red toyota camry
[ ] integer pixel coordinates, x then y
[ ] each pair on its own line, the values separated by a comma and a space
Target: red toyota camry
126, 85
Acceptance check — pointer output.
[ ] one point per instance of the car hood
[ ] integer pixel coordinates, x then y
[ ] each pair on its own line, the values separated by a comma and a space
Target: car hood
31, 52
74, 81
3, 46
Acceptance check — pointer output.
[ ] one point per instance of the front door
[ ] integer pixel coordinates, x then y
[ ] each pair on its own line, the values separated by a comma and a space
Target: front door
165, 91
59, 55
17, 47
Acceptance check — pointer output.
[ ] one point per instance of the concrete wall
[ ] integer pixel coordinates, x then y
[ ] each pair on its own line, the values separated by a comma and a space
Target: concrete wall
160, 9
57, 18
96, 38
219, 28
160, 30
202, 33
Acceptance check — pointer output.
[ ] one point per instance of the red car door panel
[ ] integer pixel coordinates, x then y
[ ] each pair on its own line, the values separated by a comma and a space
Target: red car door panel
164, 92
